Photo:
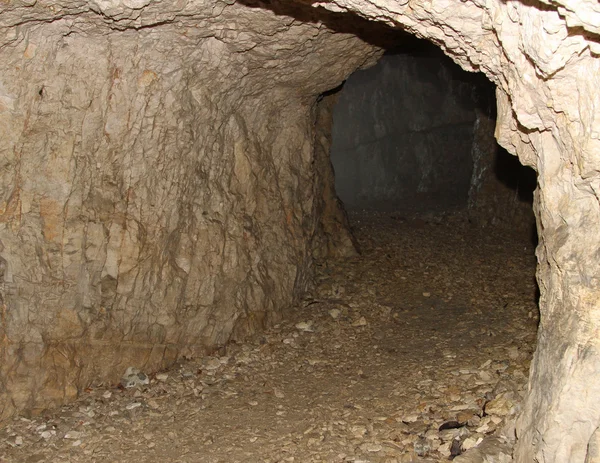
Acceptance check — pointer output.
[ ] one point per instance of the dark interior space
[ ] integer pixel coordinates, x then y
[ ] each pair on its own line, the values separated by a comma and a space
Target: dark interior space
415, 134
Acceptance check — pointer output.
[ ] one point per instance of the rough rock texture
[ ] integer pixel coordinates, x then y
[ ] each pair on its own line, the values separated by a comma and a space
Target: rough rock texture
333, 237
403, 131
144, 210
158, 186
543, 56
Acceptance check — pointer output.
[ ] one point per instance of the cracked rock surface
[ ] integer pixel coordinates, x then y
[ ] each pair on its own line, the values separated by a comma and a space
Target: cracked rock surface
416, 350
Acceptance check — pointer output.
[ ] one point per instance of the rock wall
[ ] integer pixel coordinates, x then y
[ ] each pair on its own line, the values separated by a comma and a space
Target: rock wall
403, 131
157, 191
333, 237
158, 185
544, 59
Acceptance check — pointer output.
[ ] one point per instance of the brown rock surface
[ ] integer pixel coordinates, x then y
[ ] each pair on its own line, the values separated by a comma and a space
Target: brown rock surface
158, 193
158, 187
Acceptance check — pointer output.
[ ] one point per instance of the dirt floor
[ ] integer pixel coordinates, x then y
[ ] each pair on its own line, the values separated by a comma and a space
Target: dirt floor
413, 351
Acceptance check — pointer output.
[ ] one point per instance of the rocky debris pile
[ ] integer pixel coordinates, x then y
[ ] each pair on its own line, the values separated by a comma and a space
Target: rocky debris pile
371, 368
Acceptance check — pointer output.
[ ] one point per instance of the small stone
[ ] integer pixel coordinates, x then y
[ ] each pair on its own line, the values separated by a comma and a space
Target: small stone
48, 434
133, 405
513, 352
18, 441
358, 431
76, 443
212, 363
410, 418
134, 378
304, 326
107, 395
162, 376
362, 321
485, 376
426, 294
422, 447
483, 429
153, 404
334, 313
278, 393
471, 442
500, 406
73, 435
371, 447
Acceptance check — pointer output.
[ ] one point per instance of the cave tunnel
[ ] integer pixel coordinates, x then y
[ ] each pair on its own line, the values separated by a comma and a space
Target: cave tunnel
288, 231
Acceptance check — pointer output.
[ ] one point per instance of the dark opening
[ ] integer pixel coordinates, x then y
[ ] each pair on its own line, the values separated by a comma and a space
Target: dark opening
415, 134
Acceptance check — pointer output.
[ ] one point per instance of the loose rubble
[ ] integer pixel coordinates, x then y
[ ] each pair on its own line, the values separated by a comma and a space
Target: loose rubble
415, 351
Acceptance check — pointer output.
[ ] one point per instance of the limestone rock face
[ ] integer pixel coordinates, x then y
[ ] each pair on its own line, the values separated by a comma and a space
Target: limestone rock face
544, 60
158, 193
157, 184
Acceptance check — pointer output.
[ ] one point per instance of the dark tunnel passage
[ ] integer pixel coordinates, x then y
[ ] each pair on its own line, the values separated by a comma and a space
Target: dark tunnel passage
443, 222
415, 134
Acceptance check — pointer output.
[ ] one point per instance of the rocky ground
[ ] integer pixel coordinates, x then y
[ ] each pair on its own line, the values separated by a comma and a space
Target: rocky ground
416, 350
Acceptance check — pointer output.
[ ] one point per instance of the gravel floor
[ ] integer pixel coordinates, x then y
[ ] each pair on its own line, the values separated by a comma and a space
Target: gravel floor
414, 351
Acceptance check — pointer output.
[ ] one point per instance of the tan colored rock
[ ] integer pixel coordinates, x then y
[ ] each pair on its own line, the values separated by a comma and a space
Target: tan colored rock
158, 192
158, 186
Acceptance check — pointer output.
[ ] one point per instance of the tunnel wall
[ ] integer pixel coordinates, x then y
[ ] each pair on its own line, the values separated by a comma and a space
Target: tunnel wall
158, 190
543, 57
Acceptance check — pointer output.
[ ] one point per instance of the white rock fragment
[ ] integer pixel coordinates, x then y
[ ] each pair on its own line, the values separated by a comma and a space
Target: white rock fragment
471, 442
500, 406
48, 434
133, 405
370, 447
73, 435
211, 363
358, 431
162, 377
362, 321
305, 326
334, 313
134, 378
